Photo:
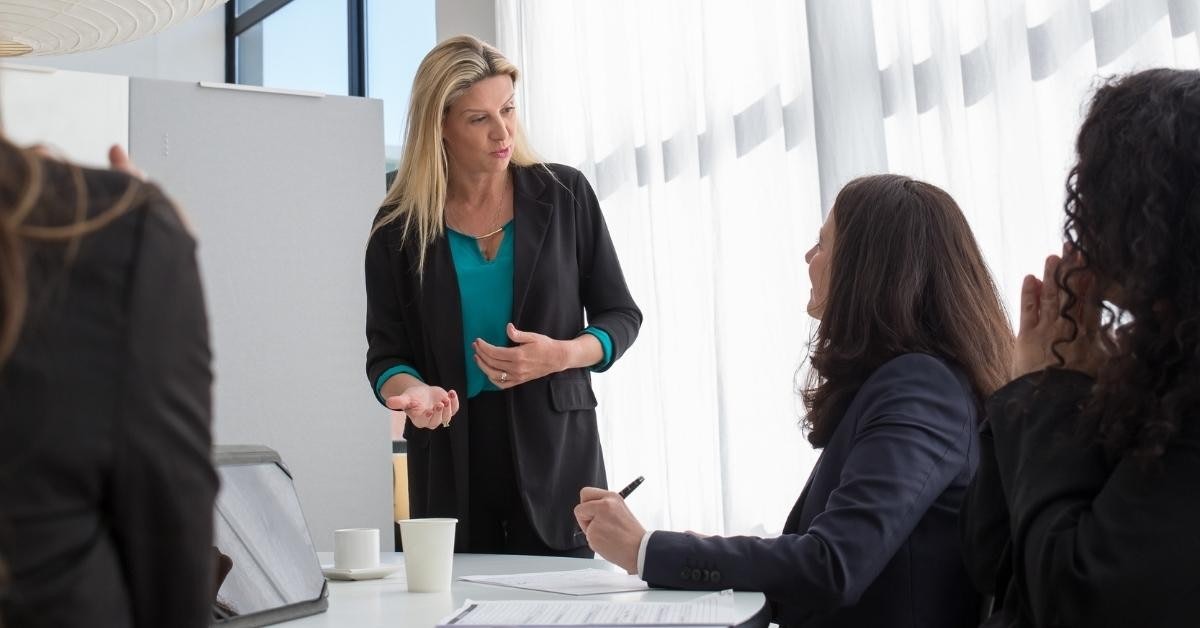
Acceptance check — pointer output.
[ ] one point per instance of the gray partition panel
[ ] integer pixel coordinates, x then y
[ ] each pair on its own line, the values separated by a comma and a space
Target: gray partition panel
281, 190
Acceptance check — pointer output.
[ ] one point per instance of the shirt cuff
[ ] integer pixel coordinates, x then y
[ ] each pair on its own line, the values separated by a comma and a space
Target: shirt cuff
395, 370
605, 343
641, 565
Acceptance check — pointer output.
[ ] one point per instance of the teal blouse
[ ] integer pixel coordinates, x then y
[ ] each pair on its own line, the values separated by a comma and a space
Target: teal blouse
485, 289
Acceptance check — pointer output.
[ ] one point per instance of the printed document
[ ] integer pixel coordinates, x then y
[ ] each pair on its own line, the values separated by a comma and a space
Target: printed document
716, 609
575, 582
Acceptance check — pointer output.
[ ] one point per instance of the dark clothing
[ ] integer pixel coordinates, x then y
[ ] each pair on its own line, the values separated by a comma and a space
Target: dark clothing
872, 540
106, 484
499, 524
564, 265
1064, 536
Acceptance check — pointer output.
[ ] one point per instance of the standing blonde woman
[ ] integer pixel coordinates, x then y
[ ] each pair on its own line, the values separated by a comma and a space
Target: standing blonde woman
480, 268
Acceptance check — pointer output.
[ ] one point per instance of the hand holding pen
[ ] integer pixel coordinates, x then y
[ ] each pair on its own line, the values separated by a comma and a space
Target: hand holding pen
612, 530
623, 493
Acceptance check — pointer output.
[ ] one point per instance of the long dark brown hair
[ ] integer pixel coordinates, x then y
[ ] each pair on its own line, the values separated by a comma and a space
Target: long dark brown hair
906, 276
1133, 213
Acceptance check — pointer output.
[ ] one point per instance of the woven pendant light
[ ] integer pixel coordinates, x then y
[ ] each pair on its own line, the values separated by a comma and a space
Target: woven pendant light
50, 27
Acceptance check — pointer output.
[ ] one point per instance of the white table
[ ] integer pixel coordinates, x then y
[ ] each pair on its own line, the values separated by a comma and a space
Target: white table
387, 602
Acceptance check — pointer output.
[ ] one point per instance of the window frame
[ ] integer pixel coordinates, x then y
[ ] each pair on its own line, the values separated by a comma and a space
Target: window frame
356, 40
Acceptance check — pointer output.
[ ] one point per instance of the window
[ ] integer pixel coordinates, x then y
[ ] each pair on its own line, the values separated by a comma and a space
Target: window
356, 48
302, 45
329, 46
294, 45
398, 36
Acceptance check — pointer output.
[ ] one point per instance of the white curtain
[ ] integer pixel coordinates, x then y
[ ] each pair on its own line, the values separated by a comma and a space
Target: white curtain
985, 100
716, 132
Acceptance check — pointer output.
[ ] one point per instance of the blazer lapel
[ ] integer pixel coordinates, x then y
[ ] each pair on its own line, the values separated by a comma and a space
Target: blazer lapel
531, 213
792, 526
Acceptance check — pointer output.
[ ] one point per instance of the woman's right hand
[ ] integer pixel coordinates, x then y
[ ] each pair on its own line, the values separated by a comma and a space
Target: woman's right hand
428, 407
1045, 333
612, 530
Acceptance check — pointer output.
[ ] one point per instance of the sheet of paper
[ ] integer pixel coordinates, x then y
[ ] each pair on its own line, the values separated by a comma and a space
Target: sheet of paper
710, 610
575, 582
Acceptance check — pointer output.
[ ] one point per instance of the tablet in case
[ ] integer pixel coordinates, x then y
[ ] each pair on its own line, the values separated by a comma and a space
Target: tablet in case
267, 567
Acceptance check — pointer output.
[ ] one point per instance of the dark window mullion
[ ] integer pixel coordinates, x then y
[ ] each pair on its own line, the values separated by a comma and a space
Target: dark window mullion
356, 21
230, 42
256, 14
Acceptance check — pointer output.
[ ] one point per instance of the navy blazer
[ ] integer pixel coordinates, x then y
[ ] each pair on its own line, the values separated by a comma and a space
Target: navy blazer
873, 539
565, 267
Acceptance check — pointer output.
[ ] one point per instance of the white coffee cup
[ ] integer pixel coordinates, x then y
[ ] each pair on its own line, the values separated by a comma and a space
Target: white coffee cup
356, 548
428, 553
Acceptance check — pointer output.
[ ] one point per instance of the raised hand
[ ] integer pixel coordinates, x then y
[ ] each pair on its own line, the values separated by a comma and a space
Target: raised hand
118, 159
1043, 325
428, 407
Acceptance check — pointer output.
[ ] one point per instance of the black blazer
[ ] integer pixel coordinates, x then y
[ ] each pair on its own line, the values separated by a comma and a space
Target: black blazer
565, 265
1064, 536
872, 540
106, 486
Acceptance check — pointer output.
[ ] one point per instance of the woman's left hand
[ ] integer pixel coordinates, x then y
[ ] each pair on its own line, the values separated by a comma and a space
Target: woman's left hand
534, 356
612, 531
1043, 325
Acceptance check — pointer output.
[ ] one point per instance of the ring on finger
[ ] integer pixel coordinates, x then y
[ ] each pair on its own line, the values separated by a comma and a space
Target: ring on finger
503, 376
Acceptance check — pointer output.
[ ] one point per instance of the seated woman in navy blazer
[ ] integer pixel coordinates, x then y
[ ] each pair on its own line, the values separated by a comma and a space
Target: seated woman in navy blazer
911, 337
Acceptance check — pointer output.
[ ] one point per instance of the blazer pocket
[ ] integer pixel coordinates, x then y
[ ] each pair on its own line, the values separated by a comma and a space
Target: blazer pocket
571, 394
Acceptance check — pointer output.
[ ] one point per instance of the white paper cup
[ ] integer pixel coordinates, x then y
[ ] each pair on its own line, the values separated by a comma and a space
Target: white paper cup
428, 553
356, 548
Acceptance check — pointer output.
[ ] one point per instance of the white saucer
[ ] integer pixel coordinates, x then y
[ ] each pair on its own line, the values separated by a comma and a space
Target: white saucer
368, 573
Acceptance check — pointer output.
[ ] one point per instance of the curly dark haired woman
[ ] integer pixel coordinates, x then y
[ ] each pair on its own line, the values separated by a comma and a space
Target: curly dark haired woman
1085, 509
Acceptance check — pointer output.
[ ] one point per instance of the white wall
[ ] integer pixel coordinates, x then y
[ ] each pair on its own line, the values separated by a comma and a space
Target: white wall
191, 51
281, 244
281, 250
467, 17
76, 115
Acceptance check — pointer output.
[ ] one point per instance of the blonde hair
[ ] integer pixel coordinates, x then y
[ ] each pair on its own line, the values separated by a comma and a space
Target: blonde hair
418, 194
28, 213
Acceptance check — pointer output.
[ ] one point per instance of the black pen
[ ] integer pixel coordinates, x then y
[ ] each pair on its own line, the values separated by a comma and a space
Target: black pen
632, 485
624, 493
